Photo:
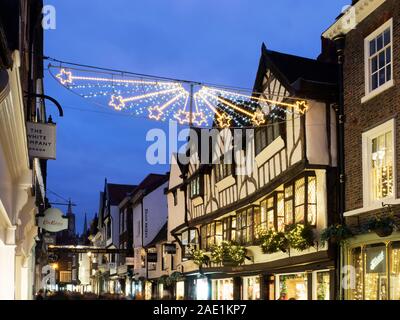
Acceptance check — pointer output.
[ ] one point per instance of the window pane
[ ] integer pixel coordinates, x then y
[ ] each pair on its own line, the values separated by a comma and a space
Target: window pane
386, 37
388, 55
293, 286
374, 83
382, 76
374, 64
289, 212
281, 212
379, 42
372, 47
299, 191
381, 59
388, 72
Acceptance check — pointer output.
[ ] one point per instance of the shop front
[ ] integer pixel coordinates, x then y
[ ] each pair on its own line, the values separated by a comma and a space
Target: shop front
373, 268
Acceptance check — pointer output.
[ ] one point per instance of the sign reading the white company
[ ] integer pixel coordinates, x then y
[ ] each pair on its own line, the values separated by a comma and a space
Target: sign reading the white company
53, 220
41, 140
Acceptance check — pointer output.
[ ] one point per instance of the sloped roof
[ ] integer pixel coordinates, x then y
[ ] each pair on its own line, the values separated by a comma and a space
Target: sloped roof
152, 182
117, 192
160, 237
296, 72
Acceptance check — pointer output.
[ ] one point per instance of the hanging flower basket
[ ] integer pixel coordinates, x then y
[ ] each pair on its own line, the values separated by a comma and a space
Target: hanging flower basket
199, 257
382, 226
336, 234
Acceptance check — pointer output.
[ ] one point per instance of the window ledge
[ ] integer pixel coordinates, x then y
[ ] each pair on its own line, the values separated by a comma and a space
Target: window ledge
269, 151
225, 183
377, 91
371, 207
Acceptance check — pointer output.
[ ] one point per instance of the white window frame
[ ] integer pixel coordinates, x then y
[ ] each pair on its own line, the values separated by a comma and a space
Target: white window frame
366, 152
369, 94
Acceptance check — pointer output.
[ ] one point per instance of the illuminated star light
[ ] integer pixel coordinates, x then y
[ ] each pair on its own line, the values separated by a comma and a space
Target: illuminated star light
258, 118
182, 116
301, 106
224, 120
117, 102
198, 118
64, 76
156, 112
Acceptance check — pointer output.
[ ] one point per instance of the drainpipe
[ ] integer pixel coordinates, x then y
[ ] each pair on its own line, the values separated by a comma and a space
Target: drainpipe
340, 114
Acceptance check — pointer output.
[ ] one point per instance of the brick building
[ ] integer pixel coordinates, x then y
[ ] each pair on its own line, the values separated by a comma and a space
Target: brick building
371, 33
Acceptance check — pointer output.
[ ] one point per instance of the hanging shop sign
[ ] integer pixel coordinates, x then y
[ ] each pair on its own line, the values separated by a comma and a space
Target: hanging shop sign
170, 248
41, 140
53, 220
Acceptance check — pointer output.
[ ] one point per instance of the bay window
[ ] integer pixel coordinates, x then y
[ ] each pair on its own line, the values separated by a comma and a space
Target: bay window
378, 163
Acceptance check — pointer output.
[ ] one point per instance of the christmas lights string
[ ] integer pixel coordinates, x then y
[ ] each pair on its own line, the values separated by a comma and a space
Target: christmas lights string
189, 103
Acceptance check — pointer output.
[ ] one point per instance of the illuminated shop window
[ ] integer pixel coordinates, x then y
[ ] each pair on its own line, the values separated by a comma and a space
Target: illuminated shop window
202, 289
380, 262
180, 290
222, 289
148, 290
322, 285
395, 271
251, 288
293, 286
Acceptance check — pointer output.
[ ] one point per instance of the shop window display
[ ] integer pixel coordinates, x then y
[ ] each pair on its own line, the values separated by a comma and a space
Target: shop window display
373, 266
322, 286
293, 286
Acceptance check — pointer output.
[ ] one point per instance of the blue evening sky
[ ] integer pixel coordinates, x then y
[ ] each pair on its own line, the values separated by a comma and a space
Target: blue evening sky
214, 41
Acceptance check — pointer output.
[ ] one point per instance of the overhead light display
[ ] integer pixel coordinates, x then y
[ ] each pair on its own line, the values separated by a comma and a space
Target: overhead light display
189, 103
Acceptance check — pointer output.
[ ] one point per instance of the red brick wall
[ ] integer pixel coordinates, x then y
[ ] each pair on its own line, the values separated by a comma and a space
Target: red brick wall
361, 117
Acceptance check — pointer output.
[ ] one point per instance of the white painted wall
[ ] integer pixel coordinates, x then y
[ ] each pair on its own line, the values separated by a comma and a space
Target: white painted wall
155, 204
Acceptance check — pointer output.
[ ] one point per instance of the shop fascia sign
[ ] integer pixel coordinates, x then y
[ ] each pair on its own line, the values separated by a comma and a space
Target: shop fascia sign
53, 220
41, 140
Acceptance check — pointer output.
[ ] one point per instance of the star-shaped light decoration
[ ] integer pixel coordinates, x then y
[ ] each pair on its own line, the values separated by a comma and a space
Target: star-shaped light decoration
258, 118
224, 120
64, 76
301, 106
117, 102
155, 113
198, 118
182, 116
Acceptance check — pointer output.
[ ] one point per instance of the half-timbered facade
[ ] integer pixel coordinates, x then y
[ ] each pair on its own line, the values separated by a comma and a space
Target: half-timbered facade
290, 178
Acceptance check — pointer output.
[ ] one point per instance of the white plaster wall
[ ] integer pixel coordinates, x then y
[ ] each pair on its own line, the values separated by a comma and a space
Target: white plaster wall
157, 212
316, 136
